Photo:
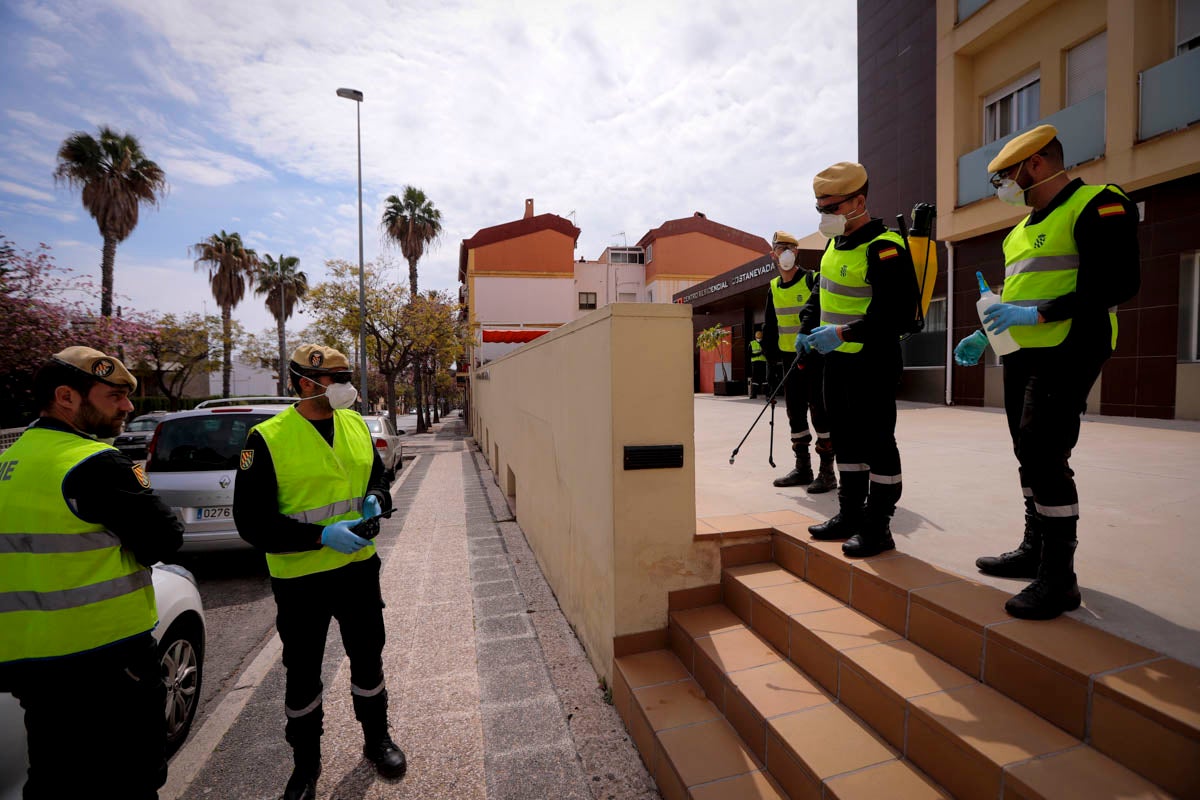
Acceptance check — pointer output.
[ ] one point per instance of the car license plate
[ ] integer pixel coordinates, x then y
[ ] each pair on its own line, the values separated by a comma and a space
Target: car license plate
214, 512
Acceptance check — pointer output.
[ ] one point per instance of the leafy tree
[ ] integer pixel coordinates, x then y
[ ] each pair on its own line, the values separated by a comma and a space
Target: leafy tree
714, 338
284, 285
176, 349
413, 223
116, 179
231, 267
262, 349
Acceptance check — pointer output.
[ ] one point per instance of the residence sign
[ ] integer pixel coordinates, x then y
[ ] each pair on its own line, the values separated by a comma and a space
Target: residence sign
756, 269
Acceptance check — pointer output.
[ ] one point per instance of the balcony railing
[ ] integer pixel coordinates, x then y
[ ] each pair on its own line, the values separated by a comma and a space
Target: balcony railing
968, 7
1080, 128
1170, 95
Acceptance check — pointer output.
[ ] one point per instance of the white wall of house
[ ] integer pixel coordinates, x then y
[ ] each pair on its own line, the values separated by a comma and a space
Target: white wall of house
611, 283
244, 381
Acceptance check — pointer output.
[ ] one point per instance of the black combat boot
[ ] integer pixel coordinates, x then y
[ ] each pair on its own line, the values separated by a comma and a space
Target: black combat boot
303, 783
381, 751
1020, 563
1055, 589
826, 479
802, 475
874, 537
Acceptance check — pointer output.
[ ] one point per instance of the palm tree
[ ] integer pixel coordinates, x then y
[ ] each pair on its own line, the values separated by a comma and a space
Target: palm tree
284, 285
116, 178
231, 267
413, 224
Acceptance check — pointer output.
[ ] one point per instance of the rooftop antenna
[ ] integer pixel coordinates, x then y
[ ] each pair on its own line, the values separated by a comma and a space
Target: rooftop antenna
624, 242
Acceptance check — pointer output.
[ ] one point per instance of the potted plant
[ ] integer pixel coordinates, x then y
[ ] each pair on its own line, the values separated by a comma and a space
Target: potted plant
715, 339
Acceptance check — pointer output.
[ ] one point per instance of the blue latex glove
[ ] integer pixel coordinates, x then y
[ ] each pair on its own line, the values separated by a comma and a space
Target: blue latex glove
970, 349
803, 345
826, 339
338, 536
371, 507
999, 317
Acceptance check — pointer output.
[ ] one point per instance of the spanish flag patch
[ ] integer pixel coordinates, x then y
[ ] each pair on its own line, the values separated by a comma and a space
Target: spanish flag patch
1111, 210
890, 252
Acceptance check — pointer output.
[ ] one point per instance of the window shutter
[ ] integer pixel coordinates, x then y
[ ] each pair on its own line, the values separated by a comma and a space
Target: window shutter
1087, 68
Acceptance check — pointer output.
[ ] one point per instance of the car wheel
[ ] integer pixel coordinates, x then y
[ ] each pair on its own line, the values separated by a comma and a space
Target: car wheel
180, 655
389, 475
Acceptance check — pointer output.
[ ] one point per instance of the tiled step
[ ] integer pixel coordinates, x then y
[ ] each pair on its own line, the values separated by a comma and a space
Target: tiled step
1128, 702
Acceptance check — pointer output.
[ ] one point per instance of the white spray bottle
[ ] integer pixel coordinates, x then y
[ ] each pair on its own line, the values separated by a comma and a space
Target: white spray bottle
1002, 343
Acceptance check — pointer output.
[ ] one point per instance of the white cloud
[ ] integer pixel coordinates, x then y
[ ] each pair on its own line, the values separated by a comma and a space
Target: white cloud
206, 167
44, 54
25, 191
39, 210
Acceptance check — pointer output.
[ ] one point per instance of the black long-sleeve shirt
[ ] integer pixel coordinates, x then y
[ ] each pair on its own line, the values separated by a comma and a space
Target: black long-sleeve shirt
109, 490
256, 499
1109, 267
894, 292
770, 340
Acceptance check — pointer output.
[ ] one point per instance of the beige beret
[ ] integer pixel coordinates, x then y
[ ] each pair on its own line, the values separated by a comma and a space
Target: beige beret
103, 368
844, 177
1022, 147
783, 237
318, 358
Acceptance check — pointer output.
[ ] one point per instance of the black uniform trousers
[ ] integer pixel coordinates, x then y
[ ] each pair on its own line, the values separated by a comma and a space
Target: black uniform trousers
860, 400
758, 377
802, 394
305, 605
95, 722
1045, 393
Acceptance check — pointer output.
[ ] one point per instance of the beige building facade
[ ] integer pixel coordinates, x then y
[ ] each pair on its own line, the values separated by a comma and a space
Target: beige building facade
1121, 82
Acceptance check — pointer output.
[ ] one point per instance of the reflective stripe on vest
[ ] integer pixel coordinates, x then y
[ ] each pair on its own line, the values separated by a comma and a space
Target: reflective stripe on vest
66, 585
756, 351
845, 293
1041, 262
318, 484
788, 302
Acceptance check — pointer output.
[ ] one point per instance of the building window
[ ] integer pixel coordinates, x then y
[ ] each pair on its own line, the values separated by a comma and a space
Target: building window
626, 297
587, 300
649, 253
1189, 307
626, 255
1187, 25
1087, 68
1013, 108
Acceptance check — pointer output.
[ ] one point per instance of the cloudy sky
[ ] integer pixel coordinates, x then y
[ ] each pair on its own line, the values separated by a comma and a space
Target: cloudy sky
618, 114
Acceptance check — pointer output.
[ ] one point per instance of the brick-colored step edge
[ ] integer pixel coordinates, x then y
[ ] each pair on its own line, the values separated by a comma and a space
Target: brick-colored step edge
1097, 687
693, 751
965, 735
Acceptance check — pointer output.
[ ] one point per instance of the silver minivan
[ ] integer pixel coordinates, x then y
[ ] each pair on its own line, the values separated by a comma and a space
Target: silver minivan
192, 463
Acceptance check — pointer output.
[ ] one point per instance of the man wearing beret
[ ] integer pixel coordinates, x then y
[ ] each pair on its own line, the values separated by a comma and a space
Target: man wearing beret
307, 478
866, 299
79, 529
1067, 266
789, 291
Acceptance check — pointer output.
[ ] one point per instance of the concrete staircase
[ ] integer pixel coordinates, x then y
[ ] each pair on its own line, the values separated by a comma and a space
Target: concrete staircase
808, 675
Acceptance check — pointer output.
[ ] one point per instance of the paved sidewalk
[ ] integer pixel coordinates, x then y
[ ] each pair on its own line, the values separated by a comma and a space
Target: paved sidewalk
492, 697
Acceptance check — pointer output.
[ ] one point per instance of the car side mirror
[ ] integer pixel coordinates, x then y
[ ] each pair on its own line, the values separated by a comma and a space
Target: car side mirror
400, 432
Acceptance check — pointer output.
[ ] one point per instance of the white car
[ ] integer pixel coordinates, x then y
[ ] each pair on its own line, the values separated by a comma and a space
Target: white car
387, 444
180, 637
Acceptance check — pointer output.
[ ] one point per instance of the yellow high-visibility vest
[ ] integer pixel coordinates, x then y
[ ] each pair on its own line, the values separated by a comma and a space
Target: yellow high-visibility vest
66, 585
318, 483
756, 351
788, 302
845, 293
1041, 262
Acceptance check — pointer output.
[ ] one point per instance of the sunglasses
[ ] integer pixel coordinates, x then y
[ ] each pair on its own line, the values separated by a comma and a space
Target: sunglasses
830, 208
1004, 174
341, 377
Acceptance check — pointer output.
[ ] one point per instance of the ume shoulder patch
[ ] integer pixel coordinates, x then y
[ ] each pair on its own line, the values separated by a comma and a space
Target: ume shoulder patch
247, 459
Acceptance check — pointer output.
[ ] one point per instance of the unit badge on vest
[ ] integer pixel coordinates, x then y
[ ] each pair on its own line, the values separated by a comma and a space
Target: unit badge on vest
1040, 240
103, 367
246, 460
315, 358
139, 472
845, 269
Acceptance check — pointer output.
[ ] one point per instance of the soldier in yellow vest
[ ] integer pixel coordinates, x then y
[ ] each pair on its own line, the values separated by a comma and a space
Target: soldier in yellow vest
79, 529
758, 365
786, 296
307, 477
1066, 267
865, 301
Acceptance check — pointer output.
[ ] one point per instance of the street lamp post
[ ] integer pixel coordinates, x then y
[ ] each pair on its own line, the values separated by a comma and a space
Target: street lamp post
357, 97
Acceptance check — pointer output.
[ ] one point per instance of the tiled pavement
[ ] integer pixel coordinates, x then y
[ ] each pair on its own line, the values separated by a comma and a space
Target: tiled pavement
492, 697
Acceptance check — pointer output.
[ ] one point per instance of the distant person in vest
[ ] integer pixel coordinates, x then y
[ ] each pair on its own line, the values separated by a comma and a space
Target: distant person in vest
866, 298
789, 291
758, 366
1066, 267
79, 529
306, 477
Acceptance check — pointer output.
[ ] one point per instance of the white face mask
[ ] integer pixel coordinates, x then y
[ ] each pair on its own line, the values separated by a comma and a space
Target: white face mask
787, 260
832, 225
1009, 191
341, 395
